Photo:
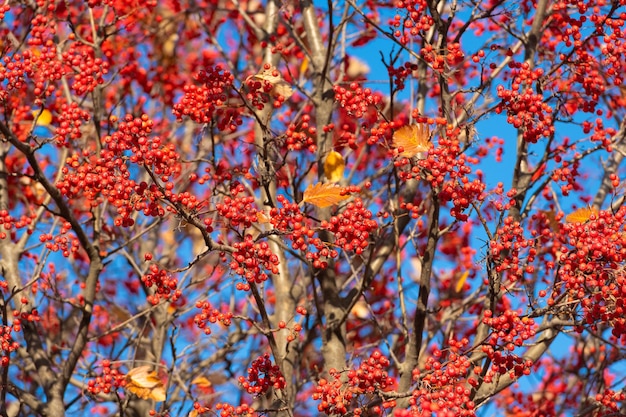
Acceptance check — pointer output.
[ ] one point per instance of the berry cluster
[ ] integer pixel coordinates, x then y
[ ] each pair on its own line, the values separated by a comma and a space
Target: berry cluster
511, 243
227, 410
442, 388
302, 135
352, 227
526, 110
400, 74
355, 99
509, 331
61, 242
164, 285
7, 344
238, 211
109, 175
203, 103
415, 21
447, 170
592, 269
10, 223
210, 315
70, 119
336, 397
109, 381
262, 375
248, 259
289, 219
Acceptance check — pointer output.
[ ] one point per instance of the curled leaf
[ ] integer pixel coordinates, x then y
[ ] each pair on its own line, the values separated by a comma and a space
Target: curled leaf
42, 118
323, 195
145, 384
582, 215
273, 76
412, 139
334, 166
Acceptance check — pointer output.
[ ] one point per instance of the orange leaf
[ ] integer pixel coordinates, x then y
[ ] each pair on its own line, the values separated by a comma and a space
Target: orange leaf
334, 166
145, 384
461, 281
412, 140
582, 215
323, 195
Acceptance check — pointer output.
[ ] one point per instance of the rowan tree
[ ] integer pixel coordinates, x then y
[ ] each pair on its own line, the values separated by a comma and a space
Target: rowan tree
223, 208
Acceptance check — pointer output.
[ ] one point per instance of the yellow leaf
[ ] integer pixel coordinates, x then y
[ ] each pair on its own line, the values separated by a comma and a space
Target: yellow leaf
323, 195
412, 140
202, 382
461, 281
304, 65
43, 117
145, 384
333, 166
582, 215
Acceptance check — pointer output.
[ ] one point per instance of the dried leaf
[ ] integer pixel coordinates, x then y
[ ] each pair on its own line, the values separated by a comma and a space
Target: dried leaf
43, 118
412, 140
360, 310
334, 166
202, 382
280, 86
582, 215
145, 384
323, 195
461, 282
261, 217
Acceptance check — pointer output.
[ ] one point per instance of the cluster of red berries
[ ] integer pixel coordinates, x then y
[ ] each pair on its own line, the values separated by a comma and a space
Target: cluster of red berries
203, 103
370, 378
414, 22
250, 257
89, 70
289, 219
238, 211
509, 330
109, 175
165, 285
400, 74
569, 174
61, 242
262, 375
70, 119
526, 110
7, 344
109, 381
592, 270
510, 241
227, 410
210, 315
442, 388
356, 99
352, 227
302, 135
10, 223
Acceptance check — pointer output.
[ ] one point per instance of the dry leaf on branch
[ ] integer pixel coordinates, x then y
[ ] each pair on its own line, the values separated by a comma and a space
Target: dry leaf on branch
145, 384
323, 195
582, 215
412, 140
273, 76
334, 166
43, 118
460, 283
